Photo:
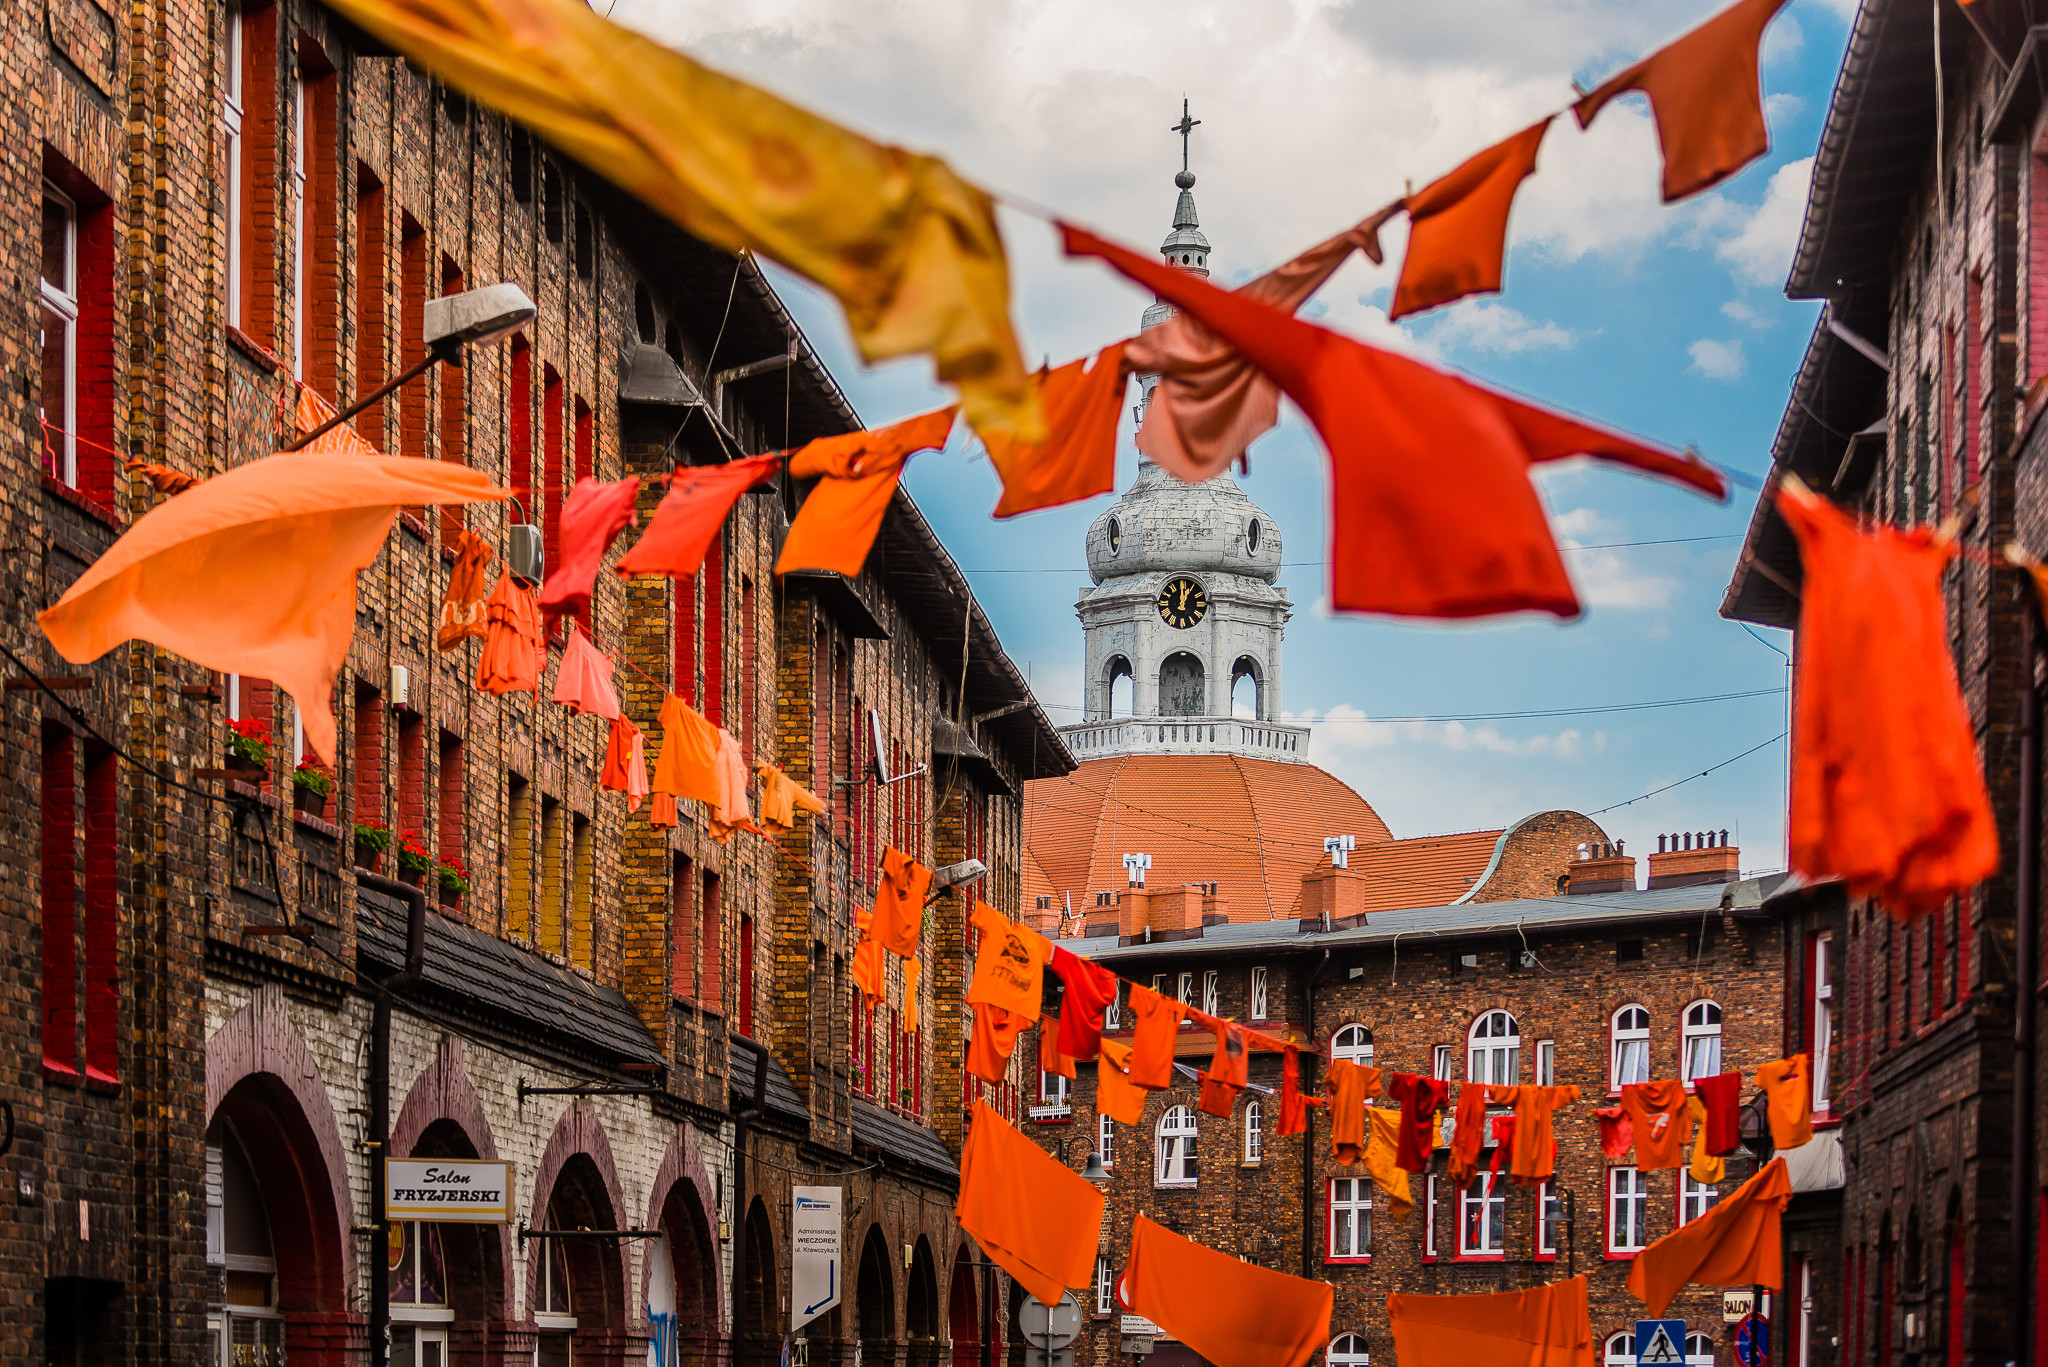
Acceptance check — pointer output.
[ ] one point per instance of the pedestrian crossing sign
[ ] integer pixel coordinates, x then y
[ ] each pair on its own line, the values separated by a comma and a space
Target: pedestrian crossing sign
1660, 1342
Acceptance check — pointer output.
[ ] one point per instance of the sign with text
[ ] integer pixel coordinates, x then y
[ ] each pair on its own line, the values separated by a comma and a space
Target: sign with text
1737, 1306
814, 1285
475, 1191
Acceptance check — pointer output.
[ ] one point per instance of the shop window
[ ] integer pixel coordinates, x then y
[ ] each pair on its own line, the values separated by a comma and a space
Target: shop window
1350, 1219
1174, 1148
1701, 1042
1493, 1050
244, 1324
418, 1270
1628, 1036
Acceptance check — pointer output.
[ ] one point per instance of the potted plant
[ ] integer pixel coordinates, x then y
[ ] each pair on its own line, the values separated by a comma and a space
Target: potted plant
311, 787
414, 862
249, 747
454, 880
372, 839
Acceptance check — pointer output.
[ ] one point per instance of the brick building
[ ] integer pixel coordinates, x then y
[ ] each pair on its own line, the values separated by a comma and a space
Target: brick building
1923, 241
657, 1030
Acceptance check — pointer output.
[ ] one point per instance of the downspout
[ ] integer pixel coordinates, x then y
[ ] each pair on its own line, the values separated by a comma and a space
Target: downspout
1308, 1134
2026, 954
380, 1096
739, 1204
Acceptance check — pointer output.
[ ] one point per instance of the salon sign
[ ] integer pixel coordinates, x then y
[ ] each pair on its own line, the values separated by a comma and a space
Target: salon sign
474, 1191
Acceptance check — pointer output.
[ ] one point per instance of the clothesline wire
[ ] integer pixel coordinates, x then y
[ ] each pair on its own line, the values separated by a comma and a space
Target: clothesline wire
1651, 705
1318, 564
1689, 778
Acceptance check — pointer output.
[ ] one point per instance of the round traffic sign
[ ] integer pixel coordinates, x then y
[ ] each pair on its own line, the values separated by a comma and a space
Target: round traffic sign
1753, 1342
1050, 1326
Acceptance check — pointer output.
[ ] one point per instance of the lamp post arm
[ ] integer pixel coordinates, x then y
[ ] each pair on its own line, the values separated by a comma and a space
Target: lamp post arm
440, 351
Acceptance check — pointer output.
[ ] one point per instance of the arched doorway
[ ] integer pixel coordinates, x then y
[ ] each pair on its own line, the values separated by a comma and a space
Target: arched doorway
576, 1286
1183, 687
272, 1232
875, 1299
1247, 689
921, 1307
446, 1280
682, 1287
762, 1343
963, 1313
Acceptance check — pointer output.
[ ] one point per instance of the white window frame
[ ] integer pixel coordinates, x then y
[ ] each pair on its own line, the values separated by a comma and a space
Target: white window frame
1628, 1046
1175, 1157
1694, 1198
1352, 1044
1186, 995
430, 1312
1619, 1350
61, 298
1429, 1218
1546, 1063
1054, 1093
231, 689
1441, 1062
1254, 1133
1823, 1019
1256, 997
1112, 1010
1347, 1350
1702, 1034
1212, 992
1628, 1192
299, 105
1699, 1349
1350, 1238
1105, 1285
1498, 1059
231, 111
543, 1283
1546, 1233
1105, 1138
1491, 1202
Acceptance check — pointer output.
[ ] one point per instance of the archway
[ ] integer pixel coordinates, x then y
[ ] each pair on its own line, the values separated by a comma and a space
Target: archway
963, 1314
1118, 687
875, 1299
446, 1280
921, 1306
1013, 1331
682, 1283
576, 1287
762, 1344
1183, 687
1247, 689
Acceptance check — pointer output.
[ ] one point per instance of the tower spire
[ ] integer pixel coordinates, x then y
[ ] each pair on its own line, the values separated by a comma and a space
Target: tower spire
1185, 246
1184, 127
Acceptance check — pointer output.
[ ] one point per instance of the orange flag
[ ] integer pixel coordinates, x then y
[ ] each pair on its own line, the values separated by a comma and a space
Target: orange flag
1229, 1312
1887, 790
1083, 402
1459, 226
1705, 95
1432, 513
690, 514
1116, 1096
1546, 1326
856, 474
254, 571
462, 607
1036, 1218
1737, 1243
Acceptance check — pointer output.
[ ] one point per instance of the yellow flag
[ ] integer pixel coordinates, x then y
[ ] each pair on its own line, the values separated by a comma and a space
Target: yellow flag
910, 250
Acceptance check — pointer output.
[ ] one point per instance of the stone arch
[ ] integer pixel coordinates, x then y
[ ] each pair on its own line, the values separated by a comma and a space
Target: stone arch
921, 1296
683, 1202
258, 1054
875, 1299
1183, 685
581, 1152
963, 1310
442, 1117
1115, 668
1246, 667
762, 1284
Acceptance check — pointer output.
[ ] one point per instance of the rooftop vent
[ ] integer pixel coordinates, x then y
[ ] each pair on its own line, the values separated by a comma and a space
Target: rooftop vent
1689, 858
1600, 867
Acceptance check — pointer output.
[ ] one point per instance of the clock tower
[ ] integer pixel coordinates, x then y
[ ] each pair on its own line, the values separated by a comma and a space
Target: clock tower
1185, 603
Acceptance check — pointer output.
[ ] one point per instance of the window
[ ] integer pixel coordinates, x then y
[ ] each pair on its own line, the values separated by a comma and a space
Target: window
250, 113
60, 903
1254, 1132
1620, 1351
1211, 996
1440, 1062
1494, 1050
682, 928
1257, 995
1352, 1044
1347, 1350
1112, 1014
1701, 1042
743, 1009
1628, 1207
373, 297
1823, 1039
1187, 994
1052, 1091
60, 336
1174, 1148
418, 1271
1105, 1286
1350, 1219
301, 126
1546, 1232
231, 111
1429, 1218
1699, 1350
1628, 1047
1546, 1063
1483, 1218
583, 895
1105, 1140
1694, 1198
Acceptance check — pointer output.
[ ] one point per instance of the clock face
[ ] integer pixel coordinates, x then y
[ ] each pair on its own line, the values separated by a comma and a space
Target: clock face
1182, 602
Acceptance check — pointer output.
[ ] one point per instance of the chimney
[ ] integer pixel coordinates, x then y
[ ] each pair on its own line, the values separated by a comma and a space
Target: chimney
1689, 858
1601, 867
1332, 892
1215, 906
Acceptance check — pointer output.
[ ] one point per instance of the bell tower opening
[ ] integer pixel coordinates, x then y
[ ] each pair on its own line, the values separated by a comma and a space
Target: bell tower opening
1246, 691
1182, 686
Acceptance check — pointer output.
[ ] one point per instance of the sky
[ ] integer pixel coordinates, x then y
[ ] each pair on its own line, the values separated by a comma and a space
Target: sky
1666, 321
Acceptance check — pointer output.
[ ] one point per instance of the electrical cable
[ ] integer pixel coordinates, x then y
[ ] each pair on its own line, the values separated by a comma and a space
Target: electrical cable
1317, 564
1689, 778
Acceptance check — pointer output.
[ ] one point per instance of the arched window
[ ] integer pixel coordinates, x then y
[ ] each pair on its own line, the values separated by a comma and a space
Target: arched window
1347, 1350
1699, 1350
1493, 1050
1254, 1132
1701, 1052
1352, 1044
1621, 1351
1174, 1148
1628, 1035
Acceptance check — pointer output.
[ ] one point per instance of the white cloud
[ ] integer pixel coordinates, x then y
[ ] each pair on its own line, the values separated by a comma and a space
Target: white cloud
1780, 107
1716, 360
1746, 314
1345, 729
1492, 328
1761, 251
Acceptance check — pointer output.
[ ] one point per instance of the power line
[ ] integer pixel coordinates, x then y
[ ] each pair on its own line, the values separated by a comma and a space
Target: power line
1701, 774
1316, 564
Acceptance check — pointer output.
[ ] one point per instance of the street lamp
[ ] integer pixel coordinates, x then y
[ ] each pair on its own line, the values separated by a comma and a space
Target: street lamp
962, 875
453, 322
1092, 1170
1564, 1213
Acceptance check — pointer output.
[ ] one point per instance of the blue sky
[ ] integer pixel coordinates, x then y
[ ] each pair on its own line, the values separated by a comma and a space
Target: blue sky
1666, 321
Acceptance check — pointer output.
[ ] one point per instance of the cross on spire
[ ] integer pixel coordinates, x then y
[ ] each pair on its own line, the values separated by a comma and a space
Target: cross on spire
1184, 127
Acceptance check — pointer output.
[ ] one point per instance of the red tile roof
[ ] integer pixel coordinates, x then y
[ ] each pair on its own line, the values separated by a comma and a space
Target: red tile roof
1423, 871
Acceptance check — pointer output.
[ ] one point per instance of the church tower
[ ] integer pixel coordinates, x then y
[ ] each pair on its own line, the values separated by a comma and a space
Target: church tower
1186, 602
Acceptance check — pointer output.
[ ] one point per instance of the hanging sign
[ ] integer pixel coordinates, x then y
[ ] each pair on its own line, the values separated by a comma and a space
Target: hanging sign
814, 1285
475, 1191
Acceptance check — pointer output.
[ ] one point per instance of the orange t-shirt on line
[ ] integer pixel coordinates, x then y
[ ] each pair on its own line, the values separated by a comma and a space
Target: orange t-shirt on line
1116, 1096
1050, 1059
993, 1040
688, 763
1010, 969
1657, 1111
1349, 1085
867, 958
1468, 1132
1155, 1030
1788, 1084
899, 903
1535, 1148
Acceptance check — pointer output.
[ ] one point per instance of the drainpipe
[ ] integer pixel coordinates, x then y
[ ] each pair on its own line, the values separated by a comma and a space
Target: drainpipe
739, 1204
2026, 955
380, 1096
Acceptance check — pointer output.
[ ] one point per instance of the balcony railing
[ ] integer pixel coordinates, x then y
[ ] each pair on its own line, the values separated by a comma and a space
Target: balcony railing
1189, 736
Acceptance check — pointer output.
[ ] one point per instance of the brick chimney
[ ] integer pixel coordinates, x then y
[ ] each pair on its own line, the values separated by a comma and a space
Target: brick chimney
1335, 892
1688, 858
1601, 867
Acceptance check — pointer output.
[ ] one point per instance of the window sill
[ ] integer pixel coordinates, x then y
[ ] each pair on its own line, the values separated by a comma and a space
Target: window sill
1159, 1184
1542, 1257
1253, 1163
413, 523
254, 350
84, 502
1360, 1261
1481, 1258
104, 1083
318, 825
1621, 1255
60, 1074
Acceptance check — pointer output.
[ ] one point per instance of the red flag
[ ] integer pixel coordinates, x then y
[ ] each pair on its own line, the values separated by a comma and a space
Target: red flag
1432, 512
595, 513
1705, 95
1459, 226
